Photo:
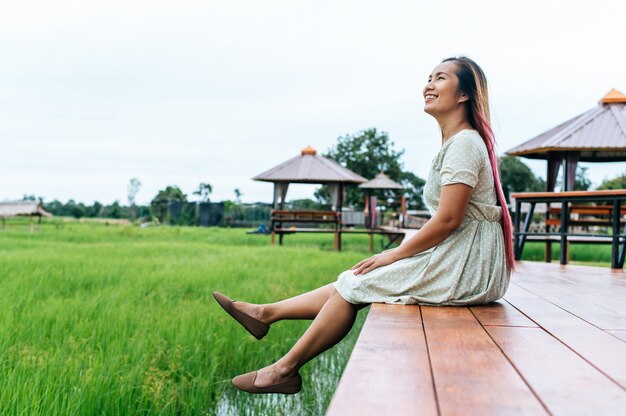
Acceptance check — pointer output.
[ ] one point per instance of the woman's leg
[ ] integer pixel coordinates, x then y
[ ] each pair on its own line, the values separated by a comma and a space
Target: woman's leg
304, 306
332, 323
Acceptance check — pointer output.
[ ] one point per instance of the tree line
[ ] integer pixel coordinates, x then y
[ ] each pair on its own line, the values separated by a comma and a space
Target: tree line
366, 153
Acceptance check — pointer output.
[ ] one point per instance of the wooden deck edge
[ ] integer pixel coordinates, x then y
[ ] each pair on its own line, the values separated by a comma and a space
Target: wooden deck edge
374, 384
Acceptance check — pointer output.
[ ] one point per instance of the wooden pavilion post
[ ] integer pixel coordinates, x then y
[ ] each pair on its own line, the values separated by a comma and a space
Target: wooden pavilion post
569, 180
569, 174
366, 220
554, 163
339, 216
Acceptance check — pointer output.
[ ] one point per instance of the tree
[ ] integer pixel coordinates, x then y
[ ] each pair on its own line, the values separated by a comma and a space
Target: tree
413, 187
204, 190
238, 195
78, 211
159, 203
113, 211
171, 193
517, 177
132, 189
95, 210
581, 180
618, 182
304, 204
368, 153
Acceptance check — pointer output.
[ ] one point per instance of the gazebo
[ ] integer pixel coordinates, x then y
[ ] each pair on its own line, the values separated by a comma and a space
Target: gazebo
311, 168
381, 181
30, 209
597, 135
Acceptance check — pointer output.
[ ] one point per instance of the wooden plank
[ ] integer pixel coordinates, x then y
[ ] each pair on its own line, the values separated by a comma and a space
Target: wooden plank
583, 222
571, 239
604, 291
566, 384
589, 302
617, 333
587, 276
500, 313
472, 376
388, 371
524, 195
604, 351
579, 304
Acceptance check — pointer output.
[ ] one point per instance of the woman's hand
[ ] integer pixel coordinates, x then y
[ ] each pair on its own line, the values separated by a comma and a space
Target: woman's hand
374, 262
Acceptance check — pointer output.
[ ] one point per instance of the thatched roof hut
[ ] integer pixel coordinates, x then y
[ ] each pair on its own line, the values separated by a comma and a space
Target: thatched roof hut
22, 208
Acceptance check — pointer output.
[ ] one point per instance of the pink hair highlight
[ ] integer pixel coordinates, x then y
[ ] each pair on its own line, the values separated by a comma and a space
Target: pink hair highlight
488, 137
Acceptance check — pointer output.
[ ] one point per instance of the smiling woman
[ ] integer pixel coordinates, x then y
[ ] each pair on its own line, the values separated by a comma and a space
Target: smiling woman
462, 256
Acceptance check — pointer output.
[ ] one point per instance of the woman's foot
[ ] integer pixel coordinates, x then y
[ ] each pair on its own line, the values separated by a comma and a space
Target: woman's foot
273, 374
244, 315
271, 379
251, 309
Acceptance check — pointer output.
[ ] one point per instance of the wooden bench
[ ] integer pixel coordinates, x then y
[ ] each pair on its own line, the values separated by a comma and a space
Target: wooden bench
585, 215
280, 217
331, 217
555, 344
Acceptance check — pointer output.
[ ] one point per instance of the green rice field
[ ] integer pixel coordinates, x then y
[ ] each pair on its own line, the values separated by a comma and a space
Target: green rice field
103, 319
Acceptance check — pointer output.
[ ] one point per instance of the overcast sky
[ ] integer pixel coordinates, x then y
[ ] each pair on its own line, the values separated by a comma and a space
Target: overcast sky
182, 92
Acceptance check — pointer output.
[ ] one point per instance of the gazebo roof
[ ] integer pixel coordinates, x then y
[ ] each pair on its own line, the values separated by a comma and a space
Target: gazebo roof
15, 208
599, 135
381, 181
309, 167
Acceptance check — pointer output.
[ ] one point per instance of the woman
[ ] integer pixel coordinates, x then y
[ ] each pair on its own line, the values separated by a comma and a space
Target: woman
462, 256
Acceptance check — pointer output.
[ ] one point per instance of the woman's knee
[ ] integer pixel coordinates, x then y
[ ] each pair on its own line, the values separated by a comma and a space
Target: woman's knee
357, 306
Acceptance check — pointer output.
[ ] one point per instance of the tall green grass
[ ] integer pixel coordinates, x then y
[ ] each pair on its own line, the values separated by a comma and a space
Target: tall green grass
120, 320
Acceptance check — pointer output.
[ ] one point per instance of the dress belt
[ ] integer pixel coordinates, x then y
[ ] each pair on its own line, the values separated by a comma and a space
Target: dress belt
481, 219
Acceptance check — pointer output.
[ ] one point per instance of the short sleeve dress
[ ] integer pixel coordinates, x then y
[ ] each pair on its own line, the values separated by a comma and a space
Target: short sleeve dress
467, 268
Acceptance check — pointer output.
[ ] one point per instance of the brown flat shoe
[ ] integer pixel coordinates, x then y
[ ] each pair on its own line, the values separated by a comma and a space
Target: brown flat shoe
245, 382
257, 328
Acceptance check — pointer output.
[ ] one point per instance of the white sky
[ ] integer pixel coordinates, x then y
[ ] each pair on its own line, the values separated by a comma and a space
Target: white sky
182, 92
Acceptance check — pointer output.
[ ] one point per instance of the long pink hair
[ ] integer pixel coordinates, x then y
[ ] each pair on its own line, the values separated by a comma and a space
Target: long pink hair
473, 83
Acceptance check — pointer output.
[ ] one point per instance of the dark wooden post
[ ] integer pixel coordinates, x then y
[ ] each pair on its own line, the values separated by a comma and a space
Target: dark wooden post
554, 163
339, 209
616, 225
564, 227
518, 215
569, 174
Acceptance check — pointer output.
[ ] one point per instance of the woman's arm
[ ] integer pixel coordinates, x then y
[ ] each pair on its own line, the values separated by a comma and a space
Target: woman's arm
453, 202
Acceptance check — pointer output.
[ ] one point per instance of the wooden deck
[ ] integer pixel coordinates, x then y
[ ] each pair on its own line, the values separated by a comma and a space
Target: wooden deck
555, 344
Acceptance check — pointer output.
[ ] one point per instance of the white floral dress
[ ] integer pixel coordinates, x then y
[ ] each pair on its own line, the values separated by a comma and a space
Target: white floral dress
467, 268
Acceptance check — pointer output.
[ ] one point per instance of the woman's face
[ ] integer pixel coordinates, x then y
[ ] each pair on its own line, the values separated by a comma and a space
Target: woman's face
440, 93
